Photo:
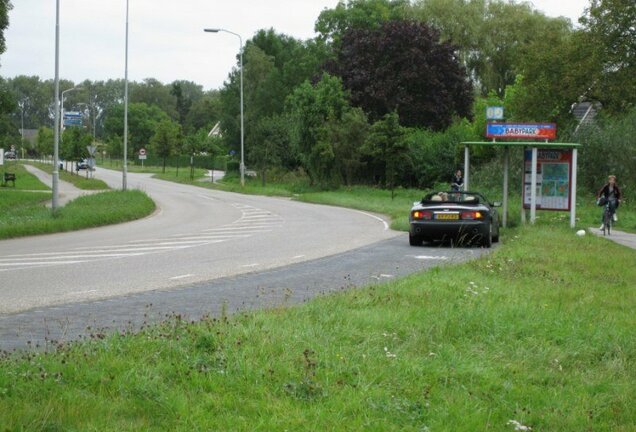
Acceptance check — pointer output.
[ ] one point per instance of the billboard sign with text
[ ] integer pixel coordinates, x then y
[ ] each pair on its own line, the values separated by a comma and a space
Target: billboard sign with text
538, 131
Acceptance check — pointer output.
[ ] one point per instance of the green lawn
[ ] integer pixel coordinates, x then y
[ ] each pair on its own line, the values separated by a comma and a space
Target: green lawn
540, 332
79, 180
25, 213
24, 179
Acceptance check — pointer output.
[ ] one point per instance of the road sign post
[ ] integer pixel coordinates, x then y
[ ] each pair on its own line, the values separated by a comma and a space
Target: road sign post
142, 156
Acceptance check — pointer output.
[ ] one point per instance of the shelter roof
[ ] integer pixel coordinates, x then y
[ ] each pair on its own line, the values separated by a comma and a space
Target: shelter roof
542, 144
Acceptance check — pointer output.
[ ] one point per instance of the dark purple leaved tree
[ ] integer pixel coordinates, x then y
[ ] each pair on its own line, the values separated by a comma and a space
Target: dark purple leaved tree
402, 66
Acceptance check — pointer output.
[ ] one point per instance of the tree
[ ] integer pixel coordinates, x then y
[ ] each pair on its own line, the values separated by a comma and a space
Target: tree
142, 124
74, 142
7, 102
45, 141
610, 28
347, 137
5, 7
358, 14
491, 35
274, 65
609, 148
269, 144
33, 98
166, 139
8, 132
186, 94
387, 146
154, 93
309, 108
403, 67
204, 112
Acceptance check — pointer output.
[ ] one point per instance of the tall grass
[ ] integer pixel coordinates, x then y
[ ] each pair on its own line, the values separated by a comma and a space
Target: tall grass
537, 334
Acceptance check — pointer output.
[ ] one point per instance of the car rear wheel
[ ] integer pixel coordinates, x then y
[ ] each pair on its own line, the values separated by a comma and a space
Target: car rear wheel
415, 240
487, 240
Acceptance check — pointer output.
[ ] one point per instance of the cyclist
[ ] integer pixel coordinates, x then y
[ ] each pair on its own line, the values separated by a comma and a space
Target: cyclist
612, 194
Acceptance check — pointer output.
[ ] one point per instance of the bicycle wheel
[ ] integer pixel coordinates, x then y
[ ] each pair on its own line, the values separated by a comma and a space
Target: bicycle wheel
607, 222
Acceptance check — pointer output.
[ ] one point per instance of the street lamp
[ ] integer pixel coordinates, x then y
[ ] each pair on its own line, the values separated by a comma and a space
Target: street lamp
124, 168
216, 30
22, 104
62, 105
56, 140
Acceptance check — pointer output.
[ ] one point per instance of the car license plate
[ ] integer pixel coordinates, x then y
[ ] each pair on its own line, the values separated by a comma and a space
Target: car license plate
446, 216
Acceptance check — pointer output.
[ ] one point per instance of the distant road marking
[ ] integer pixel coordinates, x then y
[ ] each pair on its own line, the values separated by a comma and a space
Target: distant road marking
82, 292
426, 257
251, 265
386, 276
298, 256
386, 225
182, 276
15, 264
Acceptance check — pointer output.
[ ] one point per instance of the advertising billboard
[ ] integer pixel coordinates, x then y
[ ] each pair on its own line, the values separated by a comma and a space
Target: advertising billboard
554, 179
539, 131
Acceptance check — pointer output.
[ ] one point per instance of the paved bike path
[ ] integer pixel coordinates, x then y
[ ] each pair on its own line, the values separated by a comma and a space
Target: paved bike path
66, 191
621, 237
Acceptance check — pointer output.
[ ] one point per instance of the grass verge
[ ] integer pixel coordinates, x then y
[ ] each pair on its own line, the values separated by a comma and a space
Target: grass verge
78, 180
528, 334
24, 179
25, 213
398, 204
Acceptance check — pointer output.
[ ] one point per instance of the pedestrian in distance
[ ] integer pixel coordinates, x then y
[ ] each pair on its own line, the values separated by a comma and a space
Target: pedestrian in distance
609, 193
457, 182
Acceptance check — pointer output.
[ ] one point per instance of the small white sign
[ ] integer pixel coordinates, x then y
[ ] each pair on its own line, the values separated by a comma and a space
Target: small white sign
142, 156
494, 113
91, 150
142, 152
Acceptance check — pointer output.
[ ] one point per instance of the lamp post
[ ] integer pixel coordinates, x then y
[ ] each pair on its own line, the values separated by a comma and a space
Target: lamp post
124, 168
62, 105
216, 30
22, 104
56, 140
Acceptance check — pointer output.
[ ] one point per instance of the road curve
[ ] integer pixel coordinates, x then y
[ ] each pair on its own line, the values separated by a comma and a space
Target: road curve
196, 235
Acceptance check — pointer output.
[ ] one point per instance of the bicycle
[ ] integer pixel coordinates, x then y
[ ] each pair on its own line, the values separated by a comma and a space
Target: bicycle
608, 216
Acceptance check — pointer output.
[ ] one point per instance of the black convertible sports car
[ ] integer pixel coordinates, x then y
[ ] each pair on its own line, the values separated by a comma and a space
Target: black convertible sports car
461, 217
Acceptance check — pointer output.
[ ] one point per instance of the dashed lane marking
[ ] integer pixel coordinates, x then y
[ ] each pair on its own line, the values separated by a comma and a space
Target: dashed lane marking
253, 221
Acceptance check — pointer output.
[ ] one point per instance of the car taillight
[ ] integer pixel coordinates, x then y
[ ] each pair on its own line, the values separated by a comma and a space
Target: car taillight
422, 215
472, 215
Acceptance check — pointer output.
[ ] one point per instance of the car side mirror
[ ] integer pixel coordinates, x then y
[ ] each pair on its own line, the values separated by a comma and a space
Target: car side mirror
496, 204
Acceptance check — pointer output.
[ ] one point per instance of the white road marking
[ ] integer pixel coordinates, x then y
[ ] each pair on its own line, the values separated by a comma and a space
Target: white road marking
298, 257
250, 265
426, 257
37, 263
253, 221
386, 276
386, 224
182, 276
82, 292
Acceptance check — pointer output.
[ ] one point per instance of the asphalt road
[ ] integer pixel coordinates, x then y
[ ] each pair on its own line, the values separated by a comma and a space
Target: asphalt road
196, 235
200, 252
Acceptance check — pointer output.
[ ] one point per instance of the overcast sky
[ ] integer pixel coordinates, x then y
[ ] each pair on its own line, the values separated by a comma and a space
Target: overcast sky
166, 38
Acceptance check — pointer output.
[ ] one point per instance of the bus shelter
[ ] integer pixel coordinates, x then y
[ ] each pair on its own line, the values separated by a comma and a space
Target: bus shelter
534, 147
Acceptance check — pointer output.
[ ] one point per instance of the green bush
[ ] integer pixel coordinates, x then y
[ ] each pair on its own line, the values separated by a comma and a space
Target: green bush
608, 148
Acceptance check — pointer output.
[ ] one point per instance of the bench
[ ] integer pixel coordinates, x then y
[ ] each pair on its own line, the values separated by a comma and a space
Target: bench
9, 177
